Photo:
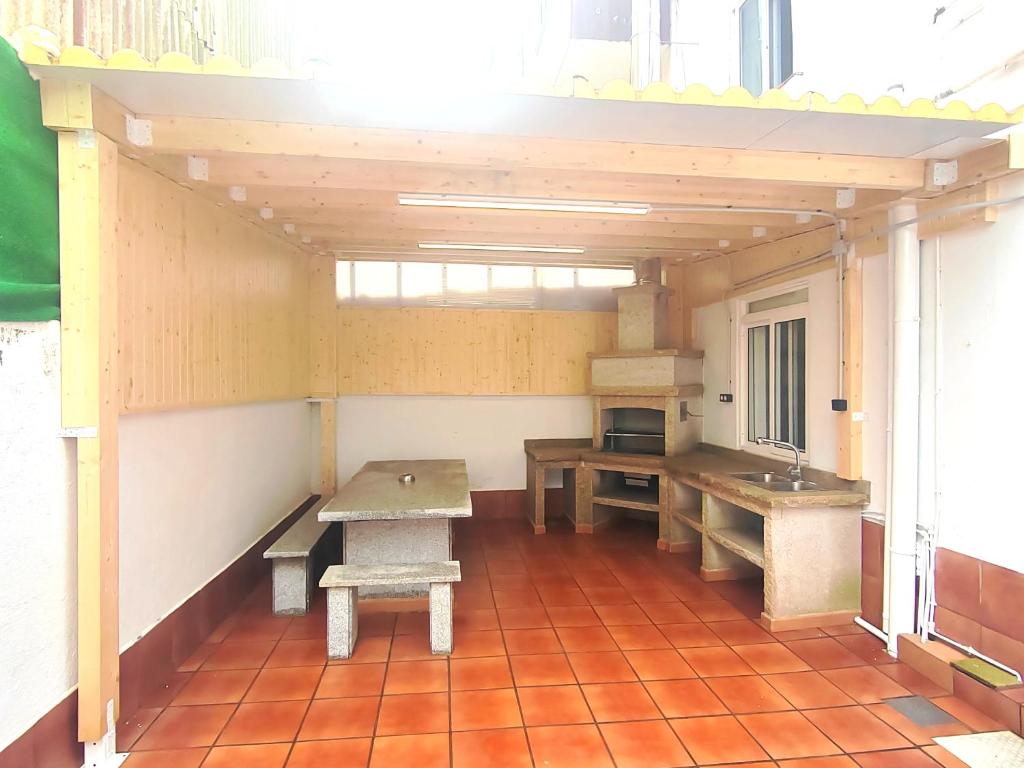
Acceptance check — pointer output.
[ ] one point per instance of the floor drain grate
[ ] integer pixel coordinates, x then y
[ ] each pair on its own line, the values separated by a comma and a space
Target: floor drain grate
920, 711
1000, 749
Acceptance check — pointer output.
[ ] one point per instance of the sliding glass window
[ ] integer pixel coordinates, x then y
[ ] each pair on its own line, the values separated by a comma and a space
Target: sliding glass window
775, 340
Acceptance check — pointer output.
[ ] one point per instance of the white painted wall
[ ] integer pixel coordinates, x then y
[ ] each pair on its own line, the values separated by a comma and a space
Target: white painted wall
38, 529
876, 47
487, 431
715, 333
981, 421
198, 488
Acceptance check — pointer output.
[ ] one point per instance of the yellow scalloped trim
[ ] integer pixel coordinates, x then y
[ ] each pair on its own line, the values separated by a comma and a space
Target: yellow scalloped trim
77, 56
615, 90
126, 58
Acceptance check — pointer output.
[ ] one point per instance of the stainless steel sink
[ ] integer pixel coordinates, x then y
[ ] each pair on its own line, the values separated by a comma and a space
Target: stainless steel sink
790, 485
760, 478
773, 482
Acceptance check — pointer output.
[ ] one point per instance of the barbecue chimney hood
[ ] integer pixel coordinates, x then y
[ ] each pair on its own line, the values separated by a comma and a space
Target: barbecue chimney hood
644, 364
644, 391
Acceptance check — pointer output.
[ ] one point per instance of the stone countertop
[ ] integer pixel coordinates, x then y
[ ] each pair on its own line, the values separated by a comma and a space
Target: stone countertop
709, 468
558, 449
441, 489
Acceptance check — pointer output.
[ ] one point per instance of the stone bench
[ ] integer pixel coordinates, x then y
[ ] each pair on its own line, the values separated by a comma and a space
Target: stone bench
342, 583
293, 567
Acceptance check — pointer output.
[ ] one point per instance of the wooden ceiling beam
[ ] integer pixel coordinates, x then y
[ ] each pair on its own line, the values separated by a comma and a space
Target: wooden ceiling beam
357, 202
410, 238
315, 175
206, 136
518, 222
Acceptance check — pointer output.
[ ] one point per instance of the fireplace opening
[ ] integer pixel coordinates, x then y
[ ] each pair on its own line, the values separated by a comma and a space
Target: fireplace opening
634, 430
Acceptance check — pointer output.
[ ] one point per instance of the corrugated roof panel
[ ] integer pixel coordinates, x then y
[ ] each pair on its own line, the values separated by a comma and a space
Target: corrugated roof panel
618, 90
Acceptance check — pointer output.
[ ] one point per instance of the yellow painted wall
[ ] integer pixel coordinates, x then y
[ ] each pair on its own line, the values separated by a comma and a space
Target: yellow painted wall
468, 351
212, 310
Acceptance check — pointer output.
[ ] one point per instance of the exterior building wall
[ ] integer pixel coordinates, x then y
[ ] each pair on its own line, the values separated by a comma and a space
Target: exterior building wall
38, 544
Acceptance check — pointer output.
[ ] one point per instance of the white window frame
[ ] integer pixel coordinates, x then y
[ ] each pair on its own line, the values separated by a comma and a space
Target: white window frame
764, 10
769, 317
578, 297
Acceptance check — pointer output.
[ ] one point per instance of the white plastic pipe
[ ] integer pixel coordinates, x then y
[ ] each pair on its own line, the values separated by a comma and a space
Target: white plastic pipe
927, 435
901, 531
646, 42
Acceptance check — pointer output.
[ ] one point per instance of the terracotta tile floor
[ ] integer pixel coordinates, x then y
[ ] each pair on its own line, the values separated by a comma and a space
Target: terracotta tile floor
570, 652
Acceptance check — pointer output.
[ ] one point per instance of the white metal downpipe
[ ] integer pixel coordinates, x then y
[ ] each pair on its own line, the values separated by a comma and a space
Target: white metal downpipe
901, 530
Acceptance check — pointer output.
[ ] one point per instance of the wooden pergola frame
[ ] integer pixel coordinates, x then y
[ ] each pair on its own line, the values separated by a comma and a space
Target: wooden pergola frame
337, 185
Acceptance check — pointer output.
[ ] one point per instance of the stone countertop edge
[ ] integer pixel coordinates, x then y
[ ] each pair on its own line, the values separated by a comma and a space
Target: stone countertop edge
709, 470
364, 515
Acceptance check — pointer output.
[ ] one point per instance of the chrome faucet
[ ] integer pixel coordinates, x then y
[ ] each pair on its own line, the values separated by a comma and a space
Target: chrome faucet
795, 472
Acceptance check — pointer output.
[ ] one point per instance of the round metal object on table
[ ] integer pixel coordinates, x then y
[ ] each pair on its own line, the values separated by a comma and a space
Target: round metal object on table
406, 477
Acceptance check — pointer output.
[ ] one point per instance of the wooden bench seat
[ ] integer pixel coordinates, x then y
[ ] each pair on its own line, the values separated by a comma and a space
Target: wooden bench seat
292, 556
342, 583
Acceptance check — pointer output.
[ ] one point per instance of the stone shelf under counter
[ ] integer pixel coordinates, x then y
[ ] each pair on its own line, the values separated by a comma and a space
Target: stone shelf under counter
806, 544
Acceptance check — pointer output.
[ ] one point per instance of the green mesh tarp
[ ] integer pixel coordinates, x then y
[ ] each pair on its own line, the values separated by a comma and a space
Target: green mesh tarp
29, 253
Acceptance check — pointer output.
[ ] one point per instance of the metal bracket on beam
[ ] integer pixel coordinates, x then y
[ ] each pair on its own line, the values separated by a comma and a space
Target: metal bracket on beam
803, 218
289, 228
238, 194
266, 213
942, 173
76, 432
307, 239
846, 198
759, 231
86, 138
198, 168
138, 131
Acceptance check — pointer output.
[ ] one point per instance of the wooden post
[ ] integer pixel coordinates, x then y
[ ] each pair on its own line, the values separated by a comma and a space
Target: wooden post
850, 459
328, 448
90, 403
323, 364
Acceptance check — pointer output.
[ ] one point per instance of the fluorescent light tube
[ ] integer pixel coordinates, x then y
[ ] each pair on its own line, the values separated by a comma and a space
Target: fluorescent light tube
501, 247
524, 204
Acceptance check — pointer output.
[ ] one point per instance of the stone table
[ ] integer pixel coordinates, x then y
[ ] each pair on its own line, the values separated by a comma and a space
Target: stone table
386, 521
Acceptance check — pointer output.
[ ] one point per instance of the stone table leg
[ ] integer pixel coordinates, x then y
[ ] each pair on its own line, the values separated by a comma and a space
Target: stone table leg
535, 494
374, 542
342, 622
291, 586
441, 618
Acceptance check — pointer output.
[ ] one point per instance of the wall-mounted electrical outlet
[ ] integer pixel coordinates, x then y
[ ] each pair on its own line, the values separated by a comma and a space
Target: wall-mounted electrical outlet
725, 397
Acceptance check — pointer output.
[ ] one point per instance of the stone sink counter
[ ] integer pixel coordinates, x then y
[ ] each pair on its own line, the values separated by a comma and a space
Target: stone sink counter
709, 469
805, 544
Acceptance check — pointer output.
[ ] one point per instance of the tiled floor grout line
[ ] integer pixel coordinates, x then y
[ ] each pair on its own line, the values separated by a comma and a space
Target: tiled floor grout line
636, 569
242, 697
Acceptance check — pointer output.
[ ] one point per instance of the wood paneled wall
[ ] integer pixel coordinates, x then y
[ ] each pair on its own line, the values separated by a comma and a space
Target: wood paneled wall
449, 351
212, 310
